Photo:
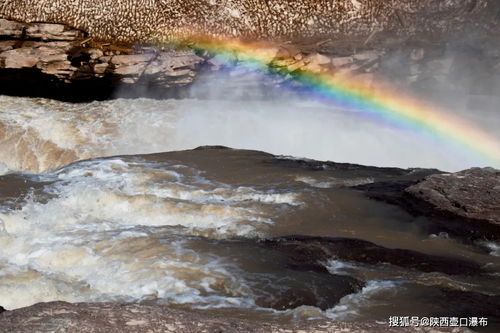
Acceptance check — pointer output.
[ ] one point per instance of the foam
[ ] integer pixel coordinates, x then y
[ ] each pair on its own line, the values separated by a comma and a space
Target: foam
39, 135
42, 134
131, 269
493, 247
333, 182
339, 267
350, 305
119, 229
114, 191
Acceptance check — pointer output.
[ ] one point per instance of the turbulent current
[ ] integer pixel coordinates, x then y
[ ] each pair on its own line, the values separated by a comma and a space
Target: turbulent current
39, 134
86, 216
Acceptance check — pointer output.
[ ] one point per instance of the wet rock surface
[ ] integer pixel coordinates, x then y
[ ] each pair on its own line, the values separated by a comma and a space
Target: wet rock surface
55, 60
464, 204
473, 194
321, 289
316, 250
347, 170
466, 303
14, 196
114, 317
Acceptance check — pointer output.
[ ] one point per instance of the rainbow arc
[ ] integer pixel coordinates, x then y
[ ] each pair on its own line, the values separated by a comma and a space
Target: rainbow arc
382, 103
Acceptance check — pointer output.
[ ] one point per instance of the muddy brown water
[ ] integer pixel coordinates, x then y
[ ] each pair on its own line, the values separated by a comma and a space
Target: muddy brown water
238, 233
234, 232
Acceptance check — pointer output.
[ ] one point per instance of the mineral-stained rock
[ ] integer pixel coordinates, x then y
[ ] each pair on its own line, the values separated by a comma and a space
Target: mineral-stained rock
116, 317
473, 194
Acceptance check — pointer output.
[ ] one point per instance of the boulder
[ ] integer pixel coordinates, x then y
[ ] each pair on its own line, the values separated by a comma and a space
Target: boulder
473, 194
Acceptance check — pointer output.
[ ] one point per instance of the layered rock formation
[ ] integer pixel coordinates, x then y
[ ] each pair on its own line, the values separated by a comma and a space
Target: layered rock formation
54, 60
53, 53
93, 44
54, 43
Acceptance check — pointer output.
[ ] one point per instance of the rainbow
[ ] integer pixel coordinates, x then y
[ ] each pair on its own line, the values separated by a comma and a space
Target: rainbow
381, 103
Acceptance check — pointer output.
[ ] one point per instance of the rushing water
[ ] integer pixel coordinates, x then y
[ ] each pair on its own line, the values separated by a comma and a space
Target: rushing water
39, 134
200, 228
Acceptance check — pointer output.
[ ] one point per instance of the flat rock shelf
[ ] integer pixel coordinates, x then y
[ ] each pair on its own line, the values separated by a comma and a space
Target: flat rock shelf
114, 317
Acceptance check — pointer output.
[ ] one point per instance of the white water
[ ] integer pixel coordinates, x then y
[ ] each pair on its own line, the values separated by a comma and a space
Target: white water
375, 293
118, 229
37, 134
121, 229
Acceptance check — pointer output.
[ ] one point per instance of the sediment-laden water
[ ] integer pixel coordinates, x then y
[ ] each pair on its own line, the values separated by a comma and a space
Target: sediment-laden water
238, 232
40, 134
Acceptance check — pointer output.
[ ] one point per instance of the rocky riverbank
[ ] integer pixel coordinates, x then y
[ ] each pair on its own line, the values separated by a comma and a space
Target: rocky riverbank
113, 317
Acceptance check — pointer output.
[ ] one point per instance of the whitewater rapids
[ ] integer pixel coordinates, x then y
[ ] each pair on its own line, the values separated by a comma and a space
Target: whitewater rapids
39, 135
86, 216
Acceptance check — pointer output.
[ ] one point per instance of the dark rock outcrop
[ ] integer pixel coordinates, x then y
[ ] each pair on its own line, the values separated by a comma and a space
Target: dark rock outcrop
115, 317
463, 204
314, 250
473, 194
464, 301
